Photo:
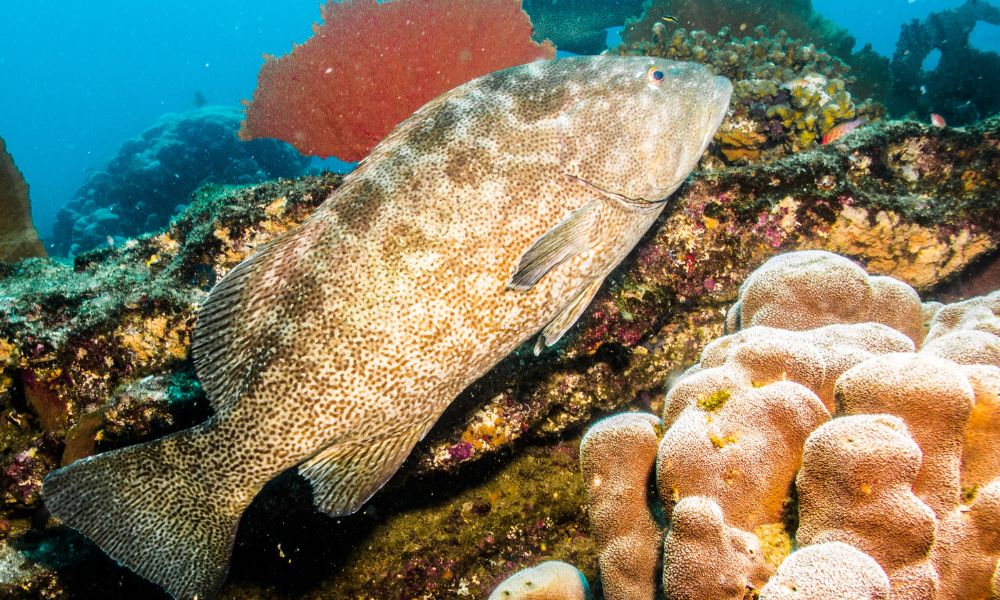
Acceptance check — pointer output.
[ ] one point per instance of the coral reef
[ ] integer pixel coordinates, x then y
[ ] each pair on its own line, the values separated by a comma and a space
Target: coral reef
18, 238
963, 87
153, 176
77, 344
796, 17
787, 93
881, 480
370, 65
788, 18
579, 26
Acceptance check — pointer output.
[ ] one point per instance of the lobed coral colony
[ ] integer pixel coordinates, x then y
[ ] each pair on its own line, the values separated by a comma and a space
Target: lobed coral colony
842, 440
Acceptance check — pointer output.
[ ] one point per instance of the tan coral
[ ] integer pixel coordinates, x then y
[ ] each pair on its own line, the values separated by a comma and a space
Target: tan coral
740, 444
703, 557
968, 546
855, 487
813, 288
933, 398
814, 358
981, 449
617, 458
550, 580
981, 313
828, 570
966, 347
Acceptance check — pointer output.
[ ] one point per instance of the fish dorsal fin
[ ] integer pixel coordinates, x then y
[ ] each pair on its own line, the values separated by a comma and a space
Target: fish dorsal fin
345, 475
567, 317
571, 236
225, 334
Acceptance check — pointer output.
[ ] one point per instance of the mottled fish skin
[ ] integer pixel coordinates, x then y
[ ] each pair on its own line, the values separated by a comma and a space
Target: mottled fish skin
337, 346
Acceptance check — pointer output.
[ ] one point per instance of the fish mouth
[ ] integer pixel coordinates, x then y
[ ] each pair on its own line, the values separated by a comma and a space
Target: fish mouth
614, 195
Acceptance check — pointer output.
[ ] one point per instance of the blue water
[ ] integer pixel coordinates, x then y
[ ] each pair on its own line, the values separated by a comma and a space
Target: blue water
78, 78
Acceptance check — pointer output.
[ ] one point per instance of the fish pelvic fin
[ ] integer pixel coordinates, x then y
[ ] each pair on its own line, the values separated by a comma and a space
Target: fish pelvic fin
346, 475
152, 509
569, 315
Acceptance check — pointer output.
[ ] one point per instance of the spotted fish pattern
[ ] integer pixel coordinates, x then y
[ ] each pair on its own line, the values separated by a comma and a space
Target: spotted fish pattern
494, 212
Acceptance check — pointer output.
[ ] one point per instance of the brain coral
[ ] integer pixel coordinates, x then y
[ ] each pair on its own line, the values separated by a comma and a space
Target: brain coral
898, 495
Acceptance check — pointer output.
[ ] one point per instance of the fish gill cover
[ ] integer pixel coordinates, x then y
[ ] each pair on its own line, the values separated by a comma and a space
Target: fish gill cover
370, 64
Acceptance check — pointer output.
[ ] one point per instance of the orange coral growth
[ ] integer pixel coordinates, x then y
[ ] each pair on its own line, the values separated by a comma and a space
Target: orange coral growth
370, 65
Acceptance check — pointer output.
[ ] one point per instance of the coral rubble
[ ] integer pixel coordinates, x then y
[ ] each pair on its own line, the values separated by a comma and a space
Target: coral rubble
878, 485
371, 64
787, 94
964, 86
94, 356
18, 238
153, 176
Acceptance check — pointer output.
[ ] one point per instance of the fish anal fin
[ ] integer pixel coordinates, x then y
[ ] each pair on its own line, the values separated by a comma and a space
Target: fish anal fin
558, 327
571, 236
346, 475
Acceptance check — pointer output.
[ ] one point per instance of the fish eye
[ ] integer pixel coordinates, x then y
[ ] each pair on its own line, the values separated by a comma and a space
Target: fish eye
654, 75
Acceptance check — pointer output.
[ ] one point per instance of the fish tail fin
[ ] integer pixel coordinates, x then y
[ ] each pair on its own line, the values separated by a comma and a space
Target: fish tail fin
156, 509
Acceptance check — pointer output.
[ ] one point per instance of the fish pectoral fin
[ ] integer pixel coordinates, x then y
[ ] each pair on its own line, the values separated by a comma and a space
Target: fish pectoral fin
567, 317
569, 237
345, 476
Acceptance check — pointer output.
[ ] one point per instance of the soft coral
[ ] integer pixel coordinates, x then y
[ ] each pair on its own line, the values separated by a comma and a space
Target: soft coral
371, 64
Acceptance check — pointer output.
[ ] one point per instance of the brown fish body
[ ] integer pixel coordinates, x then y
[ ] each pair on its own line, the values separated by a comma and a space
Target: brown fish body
493, 212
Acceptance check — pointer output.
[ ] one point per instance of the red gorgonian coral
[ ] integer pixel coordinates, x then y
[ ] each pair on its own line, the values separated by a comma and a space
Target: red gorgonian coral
370, 65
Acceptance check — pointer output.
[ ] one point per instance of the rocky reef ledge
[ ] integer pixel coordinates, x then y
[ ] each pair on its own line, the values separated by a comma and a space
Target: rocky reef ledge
95, 356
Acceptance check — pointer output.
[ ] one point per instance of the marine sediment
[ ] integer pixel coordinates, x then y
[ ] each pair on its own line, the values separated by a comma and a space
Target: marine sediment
94, 356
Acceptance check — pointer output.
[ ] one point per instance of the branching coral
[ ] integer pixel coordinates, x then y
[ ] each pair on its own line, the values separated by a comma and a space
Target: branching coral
787, 93
371, 64
18, 238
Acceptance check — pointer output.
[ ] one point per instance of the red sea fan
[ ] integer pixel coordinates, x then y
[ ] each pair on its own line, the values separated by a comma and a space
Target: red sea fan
370, 65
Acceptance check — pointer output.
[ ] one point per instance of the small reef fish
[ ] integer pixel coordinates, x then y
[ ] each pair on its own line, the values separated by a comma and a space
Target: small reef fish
938, 121
671, 19
841, 129
493, 212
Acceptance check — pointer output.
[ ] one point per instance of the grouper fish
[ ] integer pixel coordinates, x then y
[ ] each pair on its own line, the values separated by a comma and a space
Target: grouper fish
492, 213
